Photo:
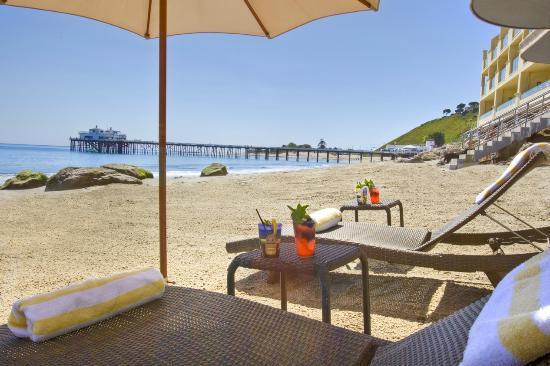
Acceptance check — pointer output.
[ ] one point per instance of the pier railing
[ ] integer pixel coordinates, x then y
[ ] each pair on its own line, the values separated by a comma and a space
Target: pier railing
136, 147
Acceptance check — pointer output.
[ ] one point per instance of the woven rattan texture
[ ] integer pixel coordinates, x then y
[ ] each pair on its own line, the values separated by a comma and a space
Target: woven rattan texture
196, 327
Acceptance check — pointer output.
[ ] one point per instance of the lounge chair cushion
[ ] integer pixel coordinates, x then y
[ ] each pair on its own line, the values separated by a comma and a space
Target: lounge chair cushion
514, 326
393, 237
516, 164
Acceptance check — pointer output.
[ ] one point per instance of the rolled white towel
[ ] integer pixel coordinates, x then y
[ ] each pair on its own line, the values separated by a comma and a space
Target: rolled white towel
326, 218
48, 315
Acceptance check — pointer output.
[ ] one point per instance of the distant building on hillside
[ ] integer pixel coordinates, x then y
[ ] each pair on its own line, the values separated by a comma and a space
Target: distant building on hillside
100, 134
508, 81
405, 148
430, 144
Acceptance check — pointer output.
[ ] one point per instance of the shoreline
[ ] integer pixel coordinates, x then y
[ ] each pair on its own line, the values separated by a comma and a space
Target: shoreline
182, 174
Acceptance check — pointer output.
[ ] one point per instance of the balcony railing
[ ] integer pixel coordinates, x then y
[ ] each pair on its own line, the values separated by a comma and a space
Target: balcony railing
507, 121
536, 89
486, 114
530, 38
506, 104
494, 52
504, 42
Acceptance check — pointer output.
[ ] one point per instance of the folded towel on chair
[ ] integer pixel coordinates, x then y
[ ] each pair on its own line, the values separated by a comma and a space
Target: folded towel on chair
517, 163
514, 326
326, 218
48, 315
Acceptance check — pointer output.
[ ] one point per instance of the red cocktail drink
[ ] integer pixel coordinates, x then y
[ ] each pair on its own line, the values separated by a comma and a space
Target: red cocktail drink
304, 238
374, 195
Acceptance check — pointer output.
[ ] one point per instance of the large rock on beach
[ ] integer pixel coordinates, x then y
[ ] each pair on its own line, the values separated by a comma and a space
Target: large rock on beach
75, 178
444, 153
131, 170
215, 169
26, 179
414, 159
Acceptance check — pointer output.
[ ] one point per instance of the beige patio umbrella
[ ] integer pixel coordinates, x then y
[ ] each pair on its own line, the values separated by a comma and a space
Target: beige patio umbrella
162, 18
524, 14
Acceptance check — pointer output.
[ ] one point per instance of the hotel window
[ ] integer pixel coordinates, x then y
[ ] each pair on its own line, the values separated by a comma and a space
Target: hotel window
504, 41
514, 65
502, 73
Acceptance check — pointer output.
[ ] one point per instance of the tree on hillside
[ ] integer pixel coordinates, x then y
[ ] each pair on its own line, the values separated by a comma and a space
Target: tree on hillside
460, 108
322, 144
446, 112
472, 107
438, 137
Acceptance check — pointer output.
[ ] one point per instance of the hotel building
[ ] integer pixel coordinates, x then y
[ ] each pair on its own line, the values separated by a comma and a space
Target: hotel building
508, 81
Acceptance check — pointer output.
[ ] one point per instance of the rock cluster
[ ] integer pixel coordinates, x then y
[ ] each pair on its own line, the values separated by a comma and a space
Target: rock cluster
26, 179
444, 153
215, 169
131, 170
75, 178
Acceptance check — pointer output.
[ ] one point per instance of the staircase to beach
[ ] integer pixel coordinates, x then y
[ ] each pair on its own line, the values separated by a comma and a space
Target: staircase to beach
509, 129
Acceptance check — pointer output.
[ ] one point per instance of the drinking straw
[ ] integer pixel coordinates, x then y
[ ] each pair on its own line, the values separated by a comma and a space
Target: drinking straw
260, 216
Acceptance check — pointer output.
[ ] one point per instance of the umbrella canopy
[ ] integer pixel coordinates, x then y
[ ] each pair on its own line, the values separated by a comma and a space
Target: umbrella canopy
524, 14
161, 18
252, 17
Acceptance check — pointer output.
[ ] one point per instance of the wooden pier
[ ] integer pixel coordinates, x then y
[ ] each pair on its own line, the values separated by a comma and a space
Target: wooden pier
136, 147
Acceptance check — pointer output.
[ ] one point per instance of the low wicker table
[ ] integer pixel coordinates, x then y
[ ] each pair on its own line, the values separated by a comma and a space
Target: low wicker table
328, 257
385, 204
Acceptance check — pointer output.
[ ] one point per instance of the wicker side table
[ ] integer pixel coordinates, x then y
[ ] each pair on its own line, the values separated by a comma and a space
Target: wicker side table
328, 257
385, 204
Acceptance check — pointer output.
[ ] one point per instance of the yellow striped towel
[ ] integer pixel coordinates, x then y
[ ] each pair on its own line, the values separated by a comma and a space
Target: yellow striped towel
516, 164
514, 326
48, 315
326, 218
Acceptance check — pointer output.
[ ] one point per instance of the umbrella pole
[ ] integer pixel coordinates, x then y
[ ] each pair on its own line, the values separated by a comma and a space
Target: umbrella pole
162, 137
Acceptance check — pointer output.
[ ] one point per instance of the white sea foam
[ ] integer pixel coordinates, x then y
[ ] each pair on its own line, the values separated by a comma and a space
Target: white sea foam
239, 171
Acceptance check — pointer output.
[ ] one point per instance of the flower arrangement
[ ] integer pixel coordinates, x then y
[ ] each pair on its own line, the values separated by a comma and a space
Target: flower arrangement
364, 183
362, 189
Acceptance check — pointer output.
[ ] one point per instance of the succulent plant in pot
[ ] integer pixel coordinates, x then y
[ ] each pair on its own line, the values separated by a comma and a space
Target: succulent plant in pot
304, 231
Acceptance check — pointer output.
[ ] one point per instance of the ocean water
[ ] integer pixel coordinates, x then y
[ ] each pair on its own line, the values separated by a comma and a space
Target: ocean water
50, 159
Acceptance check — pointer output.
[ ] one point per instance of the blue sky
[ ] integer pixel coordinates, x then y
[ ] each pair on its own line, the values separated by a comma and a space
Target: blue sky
356, 80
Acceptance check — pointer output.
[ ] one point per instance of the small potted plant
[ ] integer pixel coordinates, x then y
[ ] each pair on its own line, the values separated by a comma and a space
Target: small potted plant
304, 231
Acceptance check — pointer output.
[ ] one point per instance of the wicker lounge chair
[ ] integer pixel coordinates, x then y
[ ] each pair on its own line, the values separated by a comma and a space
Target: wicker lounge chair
196, 327
410, 246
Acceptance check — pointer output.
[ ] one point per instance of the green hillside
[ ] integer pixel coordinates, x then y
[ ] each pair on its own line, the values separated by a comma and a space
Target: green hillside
452, 126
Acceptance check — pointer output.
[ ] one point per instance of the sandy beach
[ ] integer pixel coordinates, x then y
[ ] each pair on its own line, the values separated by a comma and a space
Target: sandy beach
50, 239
